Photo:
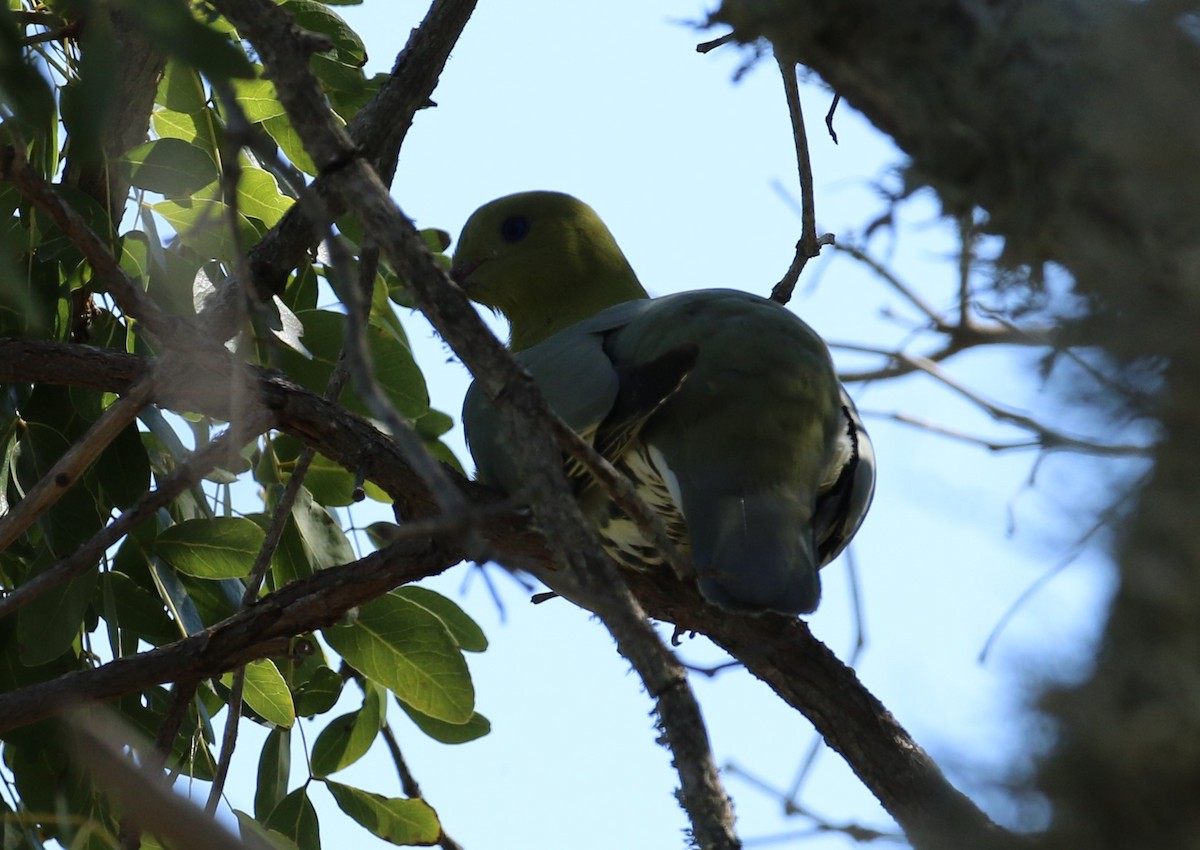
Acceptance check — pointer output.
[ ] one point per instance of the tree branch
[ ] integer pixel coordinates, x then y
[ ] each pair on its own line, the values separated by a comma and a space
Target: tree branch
1076, 127
780, 651
378, 131
257, 632
525, 413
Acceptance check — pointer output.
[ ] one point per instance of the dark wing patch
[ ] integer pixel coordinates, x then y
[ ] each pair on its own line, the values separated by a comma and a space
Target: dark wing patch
642, 388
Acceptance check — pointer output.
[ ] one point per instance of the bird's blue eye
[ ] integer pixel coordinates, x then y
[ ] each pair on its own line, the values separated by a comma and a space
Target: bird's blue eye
514, 228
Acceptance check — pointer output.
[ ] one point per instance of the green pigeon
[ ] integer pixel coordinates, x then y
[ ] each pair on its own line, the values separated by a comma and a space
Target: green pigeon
721, 407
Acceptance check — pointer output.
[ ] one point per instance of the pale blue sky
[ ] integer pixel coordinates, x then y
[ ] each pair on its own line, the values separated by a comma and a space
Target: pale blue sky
611, 103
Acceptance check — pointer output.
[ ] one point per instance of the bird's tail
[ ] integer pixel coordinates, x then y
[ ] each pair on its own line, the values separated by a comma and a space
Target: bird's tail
756, 553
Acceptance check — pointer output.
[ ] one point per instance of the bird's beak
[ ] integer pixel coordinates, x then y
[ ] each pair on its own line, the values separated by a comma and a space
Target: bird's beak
461, 274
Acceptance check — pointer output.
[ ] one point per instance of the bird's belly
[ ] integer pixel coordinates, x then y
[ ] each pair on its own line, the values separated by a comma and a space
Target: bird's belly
623, 540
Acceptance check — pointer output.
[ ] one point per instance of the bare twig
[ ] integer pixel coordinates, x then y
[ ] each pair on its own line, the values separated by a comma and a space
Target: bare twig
228, 740
408, 783
809, 244
967, 237
889, 277
708, 46
837, 98
1048, 438
1106, 519
821, 824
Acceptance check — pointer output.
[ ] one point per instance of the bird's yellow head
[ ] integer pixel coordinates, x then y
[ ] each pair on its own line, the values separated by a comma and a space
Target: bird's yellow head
543, 259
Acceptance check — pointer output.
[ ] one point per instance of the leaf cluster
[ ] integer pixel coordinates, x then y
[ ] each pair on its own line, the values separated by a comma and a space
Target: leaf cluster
192, 200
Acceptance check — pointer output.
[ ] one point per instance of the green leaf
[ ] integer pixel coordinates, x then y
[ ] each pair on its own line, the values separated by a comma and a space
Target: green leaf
394, 819
198, 128
254, 834
86, 101
397, 373
259, 196
320, 693
316, 17
461, 627
408, 650
123, 468
383, 533
202, 222
346, 739
181, 89
137, 610
436, 239
22, 88
296, 818
170, 26
449, 733
135, 256
337, 76
171, 167
221, 547
274, 768
52, 419
281, 130
267, 693
48, 626
38, 758
258, 99
324, 542
301, 292
330, 483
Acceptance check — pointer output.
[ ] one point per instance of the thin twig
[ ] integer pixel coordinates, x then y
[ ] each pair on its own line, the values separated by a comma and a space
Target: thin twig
1107, 519
184, 475
837, 98
408, 783
618, 488
1049, 438
888, 277
809, 245
181, 696
109, 275
69, 468
355, 293
228, 740
817, 746
707, 46
858, 833
966, 262
103, 744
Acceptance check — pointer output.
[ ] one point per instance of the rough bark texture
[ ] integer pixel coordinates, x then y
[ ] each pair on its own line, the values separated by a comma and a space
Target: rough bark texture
1076, 126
